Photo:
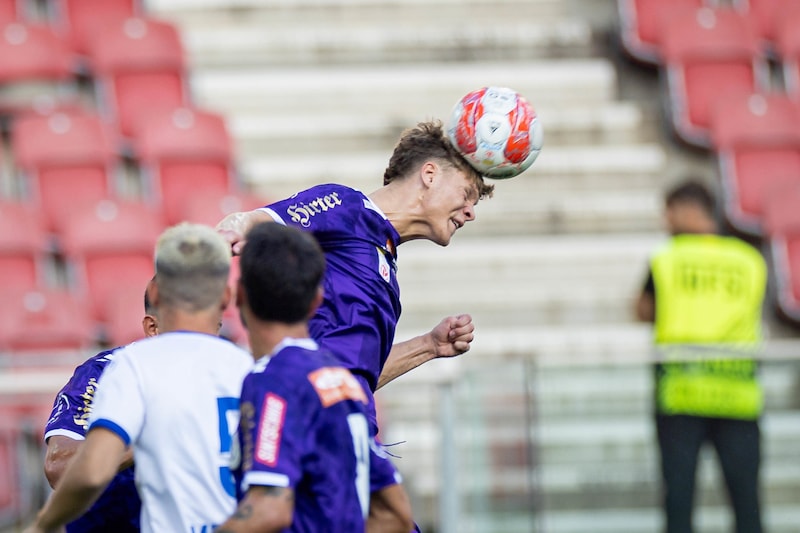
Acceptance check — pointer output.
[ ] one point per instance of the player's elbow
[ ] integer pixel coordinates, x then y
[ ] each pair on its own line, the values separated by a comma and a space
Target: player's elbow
60, 451
54, 469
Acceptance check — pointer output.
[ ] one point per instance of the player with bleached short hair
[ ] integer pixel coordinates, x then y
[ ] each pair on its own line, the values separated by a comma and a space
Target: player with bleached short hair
173, 398
306, 454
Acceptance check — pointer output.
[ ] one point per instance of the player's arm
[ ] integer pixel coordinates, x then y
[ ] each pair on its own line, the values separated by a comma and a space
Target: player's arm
264, 509
646, 303
61, 449
235, 226
451, 337
88, 474
390, 511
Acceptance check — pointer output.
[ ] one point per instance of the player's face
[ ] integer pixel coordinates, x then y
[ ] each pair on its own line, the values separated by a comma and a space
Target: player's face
452, 204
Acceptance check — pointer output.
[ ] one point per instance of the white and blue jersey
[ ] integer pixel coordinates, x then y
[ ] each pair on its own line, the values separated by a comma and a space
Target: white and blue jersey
175, 399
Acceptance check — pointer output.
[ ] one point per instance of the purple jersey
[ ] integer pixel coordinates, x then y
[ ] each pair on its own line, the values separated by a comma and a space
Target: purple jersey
303, 425
358, 317
119, 506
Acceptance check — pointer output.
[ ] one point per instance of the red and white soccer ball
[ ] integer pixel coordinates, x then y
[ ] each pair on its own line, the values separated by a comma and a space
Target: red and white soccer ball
497, 131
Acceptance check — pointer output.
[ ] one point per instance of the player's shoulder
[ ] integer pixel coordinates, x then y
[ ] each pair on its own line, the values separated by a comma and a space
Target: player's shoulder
93, 366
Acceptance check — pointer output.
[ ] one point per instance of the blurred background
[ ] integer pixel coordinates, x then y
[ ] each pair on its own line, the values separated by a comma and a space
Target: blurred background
120, 117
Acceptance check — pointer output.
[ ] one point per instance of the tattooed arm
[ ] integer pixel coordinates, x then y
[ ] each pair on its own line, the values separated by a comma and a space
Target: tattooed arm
263, 509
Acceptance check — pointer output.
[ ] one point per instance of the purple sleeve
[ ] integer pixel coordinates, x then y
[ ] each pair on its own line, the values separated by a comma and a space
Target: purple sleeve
382, 472
73, 404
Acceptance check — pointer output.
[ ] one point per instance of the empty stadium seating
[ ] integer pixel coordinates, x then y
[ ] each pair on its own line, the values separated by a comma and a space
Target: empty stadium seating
181, 152
756, 139
124, 312
110, 244
707, 52
139, 68
787, 45
42, 319
76, 20
9, 11
209, 208
65, 157
640, 25
36, 64
23, 246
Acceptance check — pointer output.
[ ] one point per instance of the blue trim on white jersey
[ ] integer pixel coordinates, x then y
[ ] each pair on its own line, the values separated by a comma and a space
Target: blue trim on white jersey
114, 428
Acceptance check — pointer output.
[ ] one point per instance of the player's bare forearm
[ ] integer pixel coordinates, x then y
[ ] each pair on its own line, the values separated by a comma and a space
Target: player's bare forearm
390, 511
84, 480
263, 510
406, 356
451, 337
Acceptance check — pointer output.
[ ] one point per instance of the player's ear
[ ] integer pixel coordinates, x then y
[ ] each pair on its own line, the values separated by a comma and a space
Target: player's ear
150, 326
316, 302
428, 172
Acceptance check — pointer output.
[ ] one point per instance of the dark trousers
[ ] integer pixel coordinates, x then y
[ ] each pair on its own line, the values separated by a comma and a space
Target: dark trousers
737, 443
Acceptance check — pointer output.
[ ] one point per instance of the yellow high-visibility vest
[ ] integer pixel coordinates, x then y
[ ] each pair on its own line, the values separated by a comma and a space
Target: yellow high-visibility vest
709, 293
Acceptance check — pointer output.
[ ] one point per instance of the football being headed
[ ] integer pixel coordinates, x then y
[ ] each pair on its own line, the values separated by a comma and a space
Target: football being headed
497, 131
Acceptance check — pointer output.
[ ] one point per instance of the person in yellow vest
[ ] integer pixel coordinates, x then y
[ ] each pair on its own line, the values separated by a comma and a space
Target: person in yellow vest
704, 295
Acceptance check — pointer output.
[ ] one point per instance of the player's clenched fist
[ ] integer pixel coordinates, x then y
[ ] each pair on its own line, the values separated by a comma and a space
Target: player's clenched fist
236, 225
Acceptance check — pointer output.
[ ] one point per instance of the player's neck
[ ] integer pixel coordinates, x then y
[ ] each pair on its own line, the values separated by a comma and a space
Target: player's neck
179, 320
265, 336
402, 207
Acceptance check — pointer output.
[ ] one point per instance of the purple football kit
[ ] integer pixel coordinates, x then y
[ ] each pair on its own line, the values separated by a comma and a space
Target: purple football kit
119, 506
357, 320
303, 426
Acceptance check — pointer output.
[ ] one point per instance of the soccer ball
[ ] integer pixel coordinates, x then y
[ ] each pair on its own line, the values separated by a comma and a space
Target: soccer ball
497, 131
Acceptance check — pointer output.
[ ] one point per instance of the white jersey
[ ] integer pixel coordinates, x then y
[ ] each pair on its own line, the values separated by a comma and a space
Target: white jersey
175, 399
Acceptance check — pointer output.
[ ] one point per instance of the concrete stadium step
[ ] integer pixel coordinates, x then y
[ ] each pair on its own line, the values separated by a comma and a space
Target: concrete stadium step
424, 90
587, 168
532, 280
338, 12
337, 131
269, 42
780, 519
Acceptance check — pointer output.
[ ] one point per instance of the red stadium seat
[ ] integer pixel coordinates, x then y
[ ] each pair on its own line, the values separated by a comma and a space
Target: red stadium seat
66, 158
44, 319
783, 225
183, 152
757, 143
707, 52
787, 44
125, 310
765, 15
209, 208
640, 25
78, 19
109, 245
139, 66
35, 64
23, 246
10, 11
